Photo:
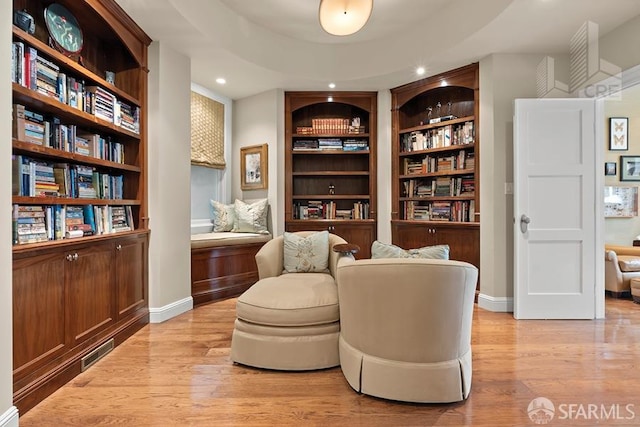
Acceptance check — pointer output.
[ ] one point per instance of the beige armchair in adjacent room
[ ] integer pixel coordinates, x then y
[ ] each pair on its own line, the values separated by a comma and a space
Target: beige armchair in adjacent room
406, 327
621, 264
289, 321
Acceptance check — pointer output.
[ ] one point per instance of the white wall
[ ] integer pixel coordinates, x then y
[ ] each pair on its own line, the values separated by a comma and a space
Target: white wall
622, 231
169, 163
8, 413
503, 78
384, 166
210, 183
259, 119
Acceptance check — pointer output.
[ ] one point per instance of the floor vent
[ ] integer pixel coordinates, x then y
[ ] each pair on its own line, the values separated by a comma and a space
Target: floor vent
96, 355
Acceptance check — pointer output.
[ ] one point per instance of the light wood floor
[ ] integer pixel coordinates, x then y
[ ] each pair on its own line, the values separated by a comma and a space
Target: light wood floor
179, 374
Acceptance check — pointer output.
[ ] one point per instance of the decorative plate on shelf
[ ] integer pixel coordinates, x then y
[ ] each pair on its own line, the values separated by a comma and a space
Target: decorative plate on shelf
64, 29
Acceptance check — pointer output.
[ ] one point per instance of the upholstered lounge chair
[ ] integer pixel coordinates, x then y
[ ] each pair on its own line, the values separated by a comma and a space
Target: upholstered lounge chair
622, 263
288, 321
406, 327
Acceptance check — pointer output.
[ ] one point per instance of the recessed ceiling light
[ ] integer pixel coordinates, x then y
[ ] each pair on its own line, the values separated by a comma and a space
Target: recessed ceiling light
332, 85
220, 81
420, 71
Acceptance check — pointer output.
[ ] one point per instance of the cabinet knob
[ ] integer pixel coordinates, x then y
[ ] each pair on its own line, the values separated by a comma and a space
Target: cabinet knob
119, 247
72, 257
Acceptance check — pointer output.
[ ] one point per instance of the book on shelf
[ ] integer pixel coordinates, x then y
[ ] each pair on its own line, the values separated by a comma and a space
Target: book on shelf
29, 225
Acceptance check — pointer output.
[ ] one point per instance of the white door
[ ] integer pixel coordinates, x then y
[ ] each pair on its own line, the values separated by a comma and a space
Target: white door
555, 209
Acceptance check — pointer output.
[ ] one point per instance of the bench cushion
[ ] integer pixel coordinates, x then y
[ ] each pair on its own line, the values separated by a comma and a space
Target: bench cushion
294, 299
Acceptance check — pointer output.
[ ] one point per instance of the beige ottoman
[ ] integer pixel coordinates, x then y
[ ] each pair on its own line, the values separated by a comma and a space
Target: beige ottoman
289, 322
635, 290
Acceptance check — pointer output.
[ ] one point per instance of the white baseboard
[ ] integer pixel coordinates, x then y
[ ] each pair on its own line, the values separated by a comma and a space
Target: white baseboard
161, 314
496, 304
10, 418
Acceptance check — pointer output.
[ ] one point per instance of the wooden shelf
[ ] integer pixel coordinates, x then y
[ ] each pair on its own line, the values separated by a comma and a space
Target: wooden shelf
310, 173
73, 296
52, 153
410, 104
48, 104
438, 150
331, 173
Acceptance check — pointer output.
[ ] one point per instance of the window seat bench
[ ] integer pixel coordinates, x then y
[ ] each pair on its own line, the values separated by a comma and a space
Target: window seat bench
223, 265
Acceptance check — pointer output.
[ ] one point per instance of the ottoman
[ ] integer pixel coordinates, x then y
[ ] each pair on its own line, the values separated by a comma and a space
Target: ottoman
635, 290
289, 322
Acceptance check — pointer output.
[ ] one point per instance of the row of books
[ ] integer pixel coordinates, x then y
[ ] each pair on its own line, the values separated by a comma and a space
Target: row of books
35, 178
440, 187
42, 223
330, 144
332, 126
463, 160
317, 209
48, 131
459, 210
32, 70
445, 136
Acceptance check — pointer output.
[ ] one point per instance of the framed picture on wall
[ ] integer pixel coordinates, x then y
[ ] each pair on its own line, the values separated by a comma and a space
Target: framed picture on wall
610, 169
629, 168
253, 167
618, 133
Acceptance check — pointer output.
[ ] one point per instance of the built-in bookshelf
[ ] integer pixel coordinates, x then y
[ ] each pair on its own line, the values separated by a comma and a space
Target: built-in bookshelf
435, 148
79, 192
330, 164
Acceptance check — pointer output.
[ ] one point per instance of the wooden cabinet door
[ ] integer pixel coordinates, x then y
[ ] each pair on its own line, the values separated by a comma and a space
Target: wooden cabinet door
89, 273
464, 243
38, 311
131, 274
413, 236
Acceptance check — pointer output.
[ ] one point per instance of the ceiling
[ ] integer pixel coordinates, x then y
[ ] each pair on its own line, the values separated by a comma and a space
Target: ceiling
259, 45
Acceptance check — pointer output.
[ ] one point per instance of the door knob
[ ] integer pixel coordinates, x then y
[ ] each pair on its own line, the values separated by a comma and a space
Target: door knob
524, 223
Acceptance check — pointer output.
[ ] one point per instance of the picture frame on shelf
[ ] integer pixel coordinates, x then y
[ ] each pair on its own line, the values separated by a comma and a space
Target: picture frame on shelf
629, 168
618, 133
610, 169
254, 163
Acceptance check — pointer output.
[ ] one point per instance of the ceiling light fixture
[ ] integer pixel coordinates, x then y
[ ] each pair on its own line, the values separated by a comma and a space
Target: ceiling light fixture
332, 85
220, 81
344, 17
420, 71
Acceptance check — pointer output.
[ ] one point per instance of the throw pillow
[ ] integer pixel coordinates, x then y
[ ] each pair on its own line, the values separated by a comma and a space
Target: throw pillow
306, 254
384, 250
223, 216
251, 217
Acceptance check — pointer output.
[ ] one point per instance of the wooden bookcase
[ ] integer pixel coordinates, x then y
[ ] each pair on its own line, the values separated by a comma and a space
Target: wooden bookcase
330, 164
435, 151
74, 298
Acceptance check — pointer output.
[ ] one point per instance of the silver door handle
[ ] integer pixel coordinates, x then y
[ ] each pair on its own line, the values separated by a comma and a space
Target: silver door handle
524, 223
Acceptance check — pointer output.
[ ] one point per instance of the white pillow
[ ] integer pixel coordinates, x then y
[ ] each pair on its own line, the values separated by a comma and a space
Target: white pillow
223, 216
384, 250
306, 254
251, 217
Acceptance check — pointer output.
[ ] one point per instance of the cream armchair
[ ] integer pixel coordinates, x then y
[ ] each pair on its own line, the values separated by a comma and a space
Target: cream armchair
621, 264
405, 327
288, 321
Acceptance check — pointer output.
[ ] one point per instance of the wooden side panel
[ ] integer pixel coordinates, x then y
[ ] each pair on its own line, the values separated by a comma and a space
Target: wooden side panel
38, 311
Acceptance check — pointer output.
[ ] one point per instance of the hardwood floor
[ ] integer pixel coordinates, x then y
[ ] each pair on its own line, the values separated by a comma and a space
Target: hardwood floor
178, 373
